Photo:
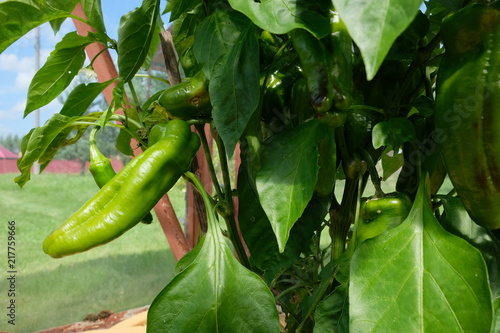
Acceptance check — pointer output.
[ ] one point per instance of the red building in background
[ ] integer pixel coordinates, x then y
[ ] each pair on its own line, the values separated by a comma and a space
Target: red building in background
8, 164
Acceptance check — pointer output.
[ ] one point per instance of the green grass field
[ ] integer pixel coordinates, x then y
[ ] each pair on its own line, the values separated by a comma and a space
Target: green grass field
121, 275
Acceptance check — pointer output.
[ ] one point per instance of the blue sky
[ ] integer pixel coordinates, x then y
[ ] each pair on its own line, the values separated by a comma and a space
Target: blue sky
17, 67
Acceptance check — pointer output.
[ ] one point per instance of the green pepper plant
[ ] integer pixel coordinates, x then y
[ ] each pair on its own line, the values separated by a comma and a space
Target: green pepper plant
368, 135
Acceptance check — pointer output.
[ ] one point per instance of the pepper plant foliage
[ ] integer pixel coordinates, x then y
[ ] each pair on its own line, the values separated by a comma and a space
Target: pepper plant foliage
321, 96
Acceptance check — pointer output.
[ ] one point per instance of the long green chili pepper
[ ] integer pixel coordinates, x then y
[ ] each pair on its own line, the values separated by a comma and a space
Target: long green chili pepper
101, 168
129, 196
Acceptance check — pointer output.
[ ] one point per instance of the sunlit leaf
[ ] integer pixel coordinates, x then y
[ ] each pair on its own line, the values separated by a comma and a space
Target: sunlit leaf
93, 11
213, 292
80, 98
17, 18
56, 74
258, 233
286, 180
418, 278
281, 17
134, 37
234, 88
375, 25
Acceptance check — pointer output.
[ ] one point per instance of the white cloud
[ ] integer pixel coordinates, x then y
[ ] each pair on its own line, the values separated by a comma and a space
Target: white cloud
23, 80
15, 112
11, 62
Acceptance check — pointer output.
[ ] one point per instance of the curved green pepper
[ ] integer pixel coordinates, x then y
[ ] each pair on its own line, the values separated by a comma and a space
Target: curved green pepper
133, 192
99, 165
338, 46
314, 64
377, 215
101, 169
188, 99
467, 109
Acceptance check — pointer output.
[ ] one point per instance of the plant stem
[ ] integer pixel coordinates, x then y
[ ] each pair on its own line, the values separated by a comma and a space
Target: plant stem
208, 156
154, 78
134, 94
373, 173
228, 199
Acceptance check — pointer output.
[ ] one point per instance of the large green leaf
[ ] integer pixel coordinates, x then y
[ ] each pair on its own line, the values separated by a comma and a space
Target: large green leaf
213, 292
419, 278
281, 17
36, 143
217, 35
18, 17
80, 98
375, 25
286, 180
134, 37
93, 11
234, 88
56, 74
258, 234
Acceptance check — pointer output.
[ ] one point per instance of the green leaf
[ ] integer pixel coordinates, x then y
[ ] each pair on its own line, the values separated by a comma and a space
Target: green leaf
456, 220
183, 30
63, 5
134, 37
217, 35
234, 88
393, 132
287, 177
179, 7
80, 98
19, 17
93, 11
392, 161
419, 278
332, 314
123, 143
375, 25
281, 17
61, 67
36, 143
154, 45
214, 292
258, 234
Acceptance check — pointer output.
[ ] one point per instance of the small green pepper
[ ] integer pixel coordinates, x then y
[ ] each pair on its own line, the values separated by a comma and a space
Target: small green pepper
99, 166
377, 215
188, 99
129, 196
